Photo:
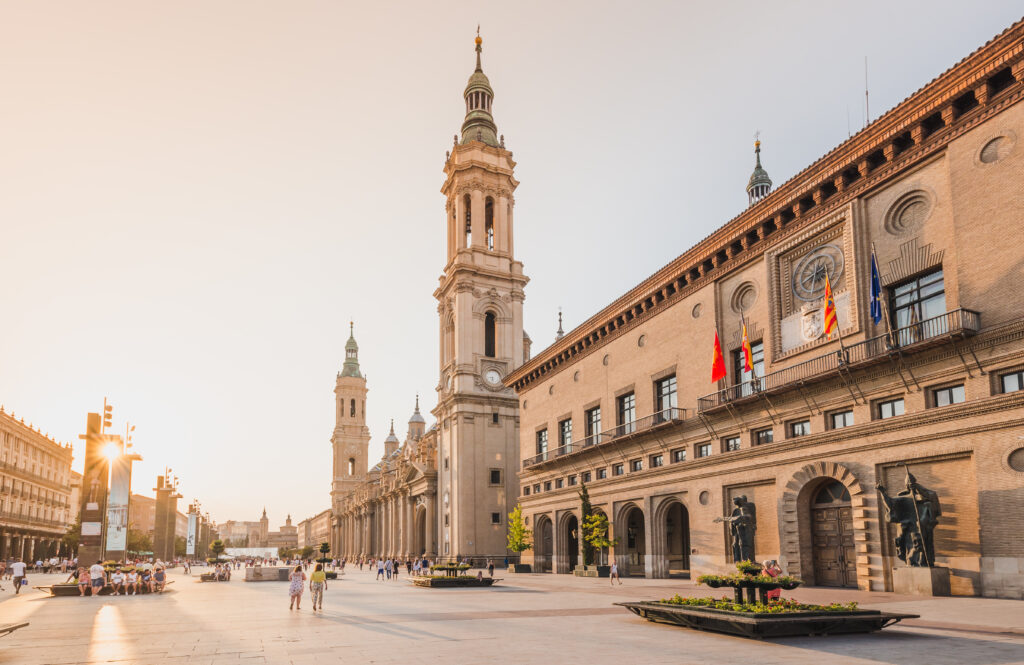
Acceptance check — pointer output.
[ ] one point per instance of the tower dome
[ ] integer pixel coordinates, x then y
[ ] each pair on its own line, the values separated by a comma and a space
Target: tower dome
351, 366
417, 417
759, 184
479, 123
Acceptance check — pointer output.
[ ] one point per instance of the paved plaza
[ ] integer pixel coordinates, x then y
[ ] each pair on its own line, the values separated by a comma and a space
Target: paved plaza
527, 619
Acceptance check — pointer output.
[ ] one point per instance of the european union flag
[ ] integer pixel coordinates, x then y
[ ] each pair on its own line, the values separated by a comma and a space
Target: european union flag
876, 292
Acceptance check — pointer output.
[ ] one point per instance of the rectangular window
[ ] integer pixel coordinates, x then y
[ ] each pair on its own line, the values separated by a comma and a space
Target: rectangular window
547, 485
627, 413
618, 469
565, 432
948, 395
542, 443
800, 428
559, 483
841, 419
536, 488
890, 408
704, 450
445, 463
572, 480
1012, 382
764, 436
731, 443
495, 476
636, 465
665, 395
494, 418
592, 425
657, 460
602, 474
915, 302
495, 518
679, 455
744, 378
585, 476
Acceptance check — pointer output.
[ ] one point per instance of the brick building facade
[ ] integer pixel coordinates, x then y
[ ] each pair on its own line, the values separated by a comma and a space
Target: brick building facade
623, 402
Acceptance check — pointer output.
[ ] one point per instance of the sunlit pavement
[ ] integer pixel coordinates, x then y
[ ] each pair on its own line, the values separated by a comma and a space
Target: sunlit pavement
527, 619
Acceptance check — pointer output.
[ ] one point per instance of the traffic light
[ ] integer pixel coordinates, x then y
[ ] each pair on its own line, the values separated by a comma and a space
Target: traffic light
108, 414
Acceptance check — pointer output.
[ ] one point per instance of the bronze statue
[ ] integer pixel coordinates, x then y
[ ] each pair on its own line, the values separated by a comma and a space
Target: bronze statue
742, 525
916, 510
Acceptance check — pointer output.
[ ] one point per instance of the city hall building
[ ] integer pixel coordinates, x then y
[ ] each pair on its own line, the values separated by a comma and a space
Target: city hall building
624, 403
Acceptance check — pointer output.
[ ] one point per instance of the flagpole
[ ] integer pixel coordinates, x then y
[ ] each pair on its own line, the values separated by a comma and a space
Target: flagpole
835, 307
883, 305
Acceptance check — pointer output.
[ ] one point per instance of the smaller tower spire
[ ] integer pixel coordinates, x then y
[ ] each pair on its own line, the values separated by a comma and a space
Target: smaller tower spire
351, 366
759, 184
561, 333
479, 123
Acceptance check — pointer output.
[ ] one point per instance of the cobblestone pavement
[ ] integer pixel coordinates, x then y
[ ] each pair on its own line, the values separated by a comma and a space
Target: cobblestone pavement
526, 619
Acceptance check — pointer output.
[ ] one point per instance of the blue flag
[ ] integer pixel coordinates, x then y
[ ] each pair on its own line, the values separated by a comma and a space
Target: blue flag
876, 291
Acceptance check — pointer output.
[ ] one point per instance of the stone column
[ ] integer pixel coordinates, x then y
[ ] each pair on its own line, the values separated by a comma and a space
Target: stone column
651, 556
410, 522
432, 527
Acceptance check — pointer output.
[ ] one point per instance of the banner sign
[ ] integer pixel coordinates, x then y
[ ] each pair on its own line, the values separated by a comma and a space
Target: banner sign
190, 546
117, 507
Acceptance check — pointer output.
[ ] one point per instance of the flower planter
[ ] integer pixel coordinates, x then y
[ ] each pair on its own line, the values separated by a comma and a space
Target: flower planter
762, 625
331, 575
519, 568
592, 571
446, 582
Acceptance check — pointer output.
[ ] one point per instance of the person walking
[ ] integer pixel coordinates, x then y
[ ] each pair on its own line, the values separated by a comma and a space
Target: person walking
388, 567
614, 575
380, 569
18, 570
297, 579
317, 586
490, 567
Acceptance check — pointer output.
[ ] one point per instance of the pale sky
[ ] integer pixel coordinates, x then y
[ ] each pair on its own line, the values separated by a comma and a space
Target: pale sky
197, 196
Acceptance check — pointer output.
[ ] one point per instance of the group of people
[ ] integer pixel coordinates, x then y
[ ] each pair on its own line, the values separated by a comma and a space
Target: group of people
317, 586
126, 580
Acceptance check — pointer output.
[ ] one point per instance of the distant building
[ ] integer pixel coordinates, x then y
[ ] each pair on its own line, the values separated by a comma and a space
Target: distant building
315, 530
35, 490
258, 534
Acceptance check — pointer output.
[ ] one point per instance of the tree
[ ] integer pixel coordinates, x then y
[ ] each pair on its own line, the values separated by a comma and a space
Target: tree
306, 552
324, 549
138, 541
73, 535
586, 511
518, 534
595, 532
217, 548
180, 545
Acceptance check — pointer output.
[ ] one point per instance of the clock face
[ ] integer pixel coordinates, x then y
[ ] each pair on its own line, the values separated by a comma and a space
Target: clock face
492, 376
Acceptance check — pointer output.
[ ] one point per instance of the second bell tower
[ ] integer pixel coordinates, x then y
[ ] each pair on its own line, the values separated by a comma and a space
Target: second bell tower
480, 307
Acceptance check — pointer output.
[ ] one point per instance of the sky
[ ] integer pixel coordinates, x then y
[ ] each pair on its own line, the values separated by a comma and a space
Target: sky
196, 197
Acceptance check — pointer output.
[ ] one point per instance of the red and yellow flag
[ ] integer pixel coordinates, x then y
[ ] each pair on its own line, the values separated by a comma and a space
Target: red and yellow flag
748, 354
717, 361
831, 321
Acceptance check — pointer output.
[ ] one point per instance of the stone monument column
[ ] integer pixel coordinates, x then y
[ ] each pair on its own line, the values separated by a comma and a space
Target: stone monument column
431, 541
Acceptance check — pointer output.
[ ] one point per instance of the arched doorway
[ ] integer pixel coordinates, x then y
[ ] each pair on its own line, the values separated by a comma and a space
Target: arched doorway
677, 540
572, 542
419, 540
543, 539
835, 561
634, 541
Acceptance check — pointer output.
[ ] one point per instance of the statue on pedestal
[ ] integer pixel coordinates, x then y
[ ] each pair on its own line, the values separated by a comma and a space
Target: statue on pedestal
916, 510
742, 525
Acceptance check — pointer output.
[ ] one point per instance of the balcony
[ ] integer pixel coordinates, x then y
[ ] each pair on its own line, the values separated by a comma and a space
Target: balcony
957, 323
673, 415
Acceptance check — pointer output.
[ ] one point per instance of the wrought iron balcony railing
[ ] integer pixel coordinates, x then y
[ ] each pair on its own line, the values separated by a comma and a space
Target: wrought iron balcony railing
955, 323
673, 414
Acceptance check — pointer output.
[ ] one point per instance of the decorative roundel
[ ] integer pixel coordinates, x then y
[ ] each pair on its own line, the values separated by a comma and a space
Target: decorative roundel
695, 312
908, 213
1016, 460
704, 498
642, 340
995, 150
744, 297
809, 273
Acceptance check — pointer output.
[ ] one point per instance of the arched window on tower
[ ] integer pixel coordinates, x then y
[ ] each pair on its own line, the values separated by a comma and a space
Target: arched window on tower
489, 223
469, 220
351, 466
489, 334
352, 409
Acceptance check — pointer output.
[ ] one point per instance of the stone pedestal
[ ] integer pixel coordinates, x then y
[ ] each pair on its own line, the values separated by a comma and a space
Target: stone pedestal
921, 581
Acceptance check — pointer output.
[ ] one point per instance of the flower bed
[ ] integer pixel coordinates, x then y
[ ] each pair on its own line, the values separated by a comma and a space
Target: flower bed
446, 581
781, 606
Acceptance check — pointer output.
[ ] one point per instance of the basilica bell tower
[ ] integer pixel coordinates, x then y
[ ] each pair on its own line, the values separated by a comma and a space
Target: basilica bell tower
480, 308
351, 439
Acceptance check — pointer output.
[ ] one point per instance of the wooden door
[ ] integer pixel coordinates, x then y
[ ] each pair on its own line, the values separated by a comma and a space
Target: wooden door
834, 555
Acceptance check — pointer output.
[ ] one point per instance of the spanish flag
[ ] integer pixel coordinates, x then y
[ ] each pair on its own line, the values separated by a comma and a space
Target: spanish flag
748, 354
717, 361
831, 321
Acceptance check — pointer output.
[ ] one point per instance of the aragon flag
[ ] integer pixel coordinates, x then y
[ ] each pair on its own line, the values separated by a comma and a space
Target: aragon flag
748, 353
831, 321
717, 361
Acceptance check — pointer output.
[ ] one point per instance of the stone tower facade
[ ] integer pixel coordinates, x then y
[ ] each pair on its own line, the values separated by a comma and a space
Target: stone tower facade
480, 308
351, 438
